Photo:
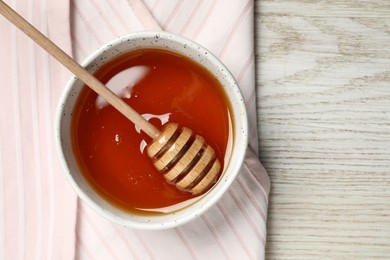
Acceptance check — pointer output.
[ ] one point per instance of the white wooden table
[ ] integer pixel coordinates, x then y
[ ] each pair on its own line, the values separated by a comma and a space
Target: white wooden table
323, 92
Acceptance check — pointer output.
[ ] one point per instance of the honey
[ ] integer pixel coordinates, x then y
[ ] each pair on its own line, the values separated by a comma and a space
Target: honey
162, 86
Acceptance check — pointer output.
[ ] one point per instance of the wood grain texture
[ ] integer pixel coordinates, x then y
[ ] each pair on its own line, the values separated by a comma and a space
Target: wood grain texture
323, 90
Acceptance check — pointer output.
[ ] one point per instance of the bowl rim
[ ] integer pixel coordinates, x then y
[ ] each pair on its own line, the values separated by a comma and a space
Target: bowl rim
242, 140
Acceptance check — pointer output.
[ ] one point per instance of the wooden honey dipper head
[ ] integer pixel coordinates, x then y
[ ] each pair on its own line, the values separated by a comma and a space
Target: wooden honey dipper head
184, 159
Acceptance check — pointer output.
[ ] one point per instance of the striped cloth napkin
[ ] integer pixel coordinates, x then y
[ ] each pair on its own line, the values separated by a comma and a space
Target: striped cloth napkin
41, 217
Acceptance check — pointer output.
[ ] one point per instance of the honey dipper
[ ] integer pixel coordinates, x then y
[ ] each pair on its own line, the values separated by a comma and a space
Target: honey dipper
184, 158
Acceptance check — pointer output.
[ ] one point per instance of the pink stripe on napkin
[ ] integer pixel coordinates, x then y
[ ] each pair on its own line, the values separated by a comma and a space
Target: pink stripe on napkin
38, 207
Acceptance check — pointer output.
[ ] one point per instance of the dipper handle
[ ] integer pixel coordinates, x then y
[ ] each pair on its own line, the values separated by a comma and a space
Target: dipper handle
78, 70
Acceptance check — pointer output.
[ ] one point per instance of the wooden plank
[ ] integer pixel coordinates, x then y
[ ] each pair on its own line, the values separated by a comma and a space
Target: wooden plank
323, 93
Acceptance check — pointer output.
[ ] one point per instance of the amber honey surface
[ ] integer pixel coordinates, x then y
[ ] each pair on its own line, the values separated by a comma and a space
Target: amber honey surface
163, 86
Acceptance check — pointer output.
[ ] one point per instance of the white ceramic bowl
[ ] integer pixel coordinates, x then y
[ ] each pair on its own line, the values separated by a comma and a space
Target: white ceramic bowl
232, 164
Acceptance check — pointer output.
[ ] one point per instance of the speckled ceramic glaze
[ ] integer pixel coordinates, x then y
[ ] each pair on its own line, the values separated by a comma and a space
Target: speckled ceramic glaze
233, 163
